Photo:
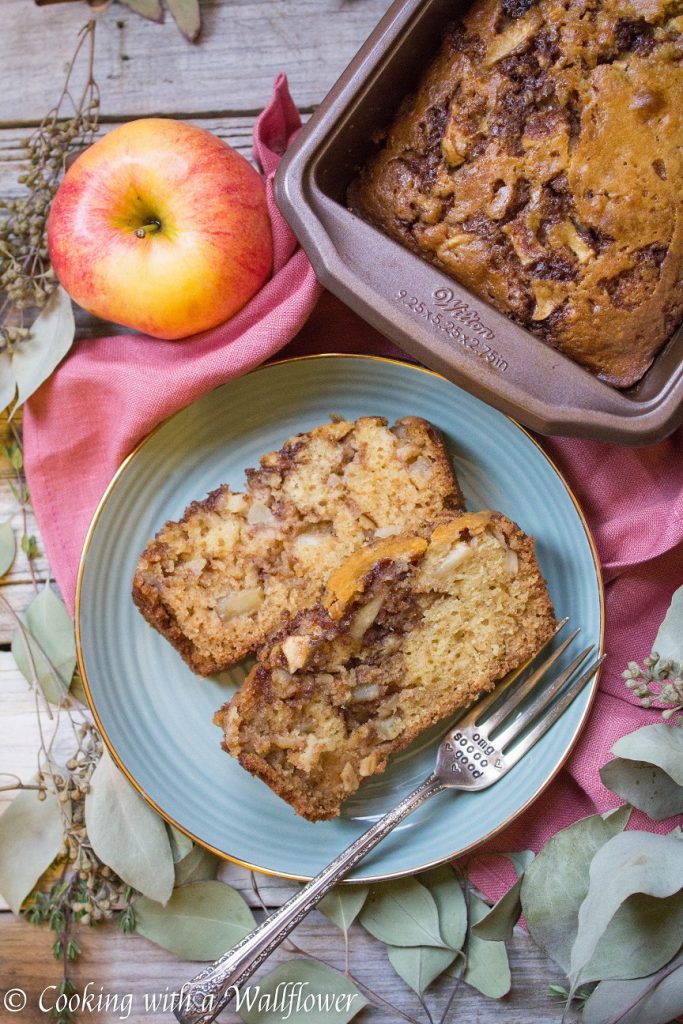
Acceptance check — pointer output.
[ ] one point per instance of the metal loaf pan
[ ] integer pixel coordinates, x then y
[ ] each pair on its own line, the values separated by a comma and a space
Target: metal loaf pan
418, 306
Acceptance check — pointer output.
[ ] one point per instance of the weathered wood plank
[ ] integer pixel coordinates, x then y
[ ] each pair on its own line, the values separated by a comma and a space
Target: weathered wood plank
108, 956
235, 130
144, 68
20, 725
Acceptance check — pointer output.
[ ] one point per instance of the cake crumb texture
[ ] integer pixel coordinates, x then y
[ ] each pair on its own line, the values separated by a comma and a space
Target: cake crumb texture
217, 583
539, 164
408, 630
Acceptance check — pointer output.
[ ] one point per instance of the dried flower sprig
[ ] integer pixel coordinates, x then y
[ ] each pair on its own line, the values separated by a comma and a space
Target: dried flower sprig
14, 454
659, 679
27, 279
77, 889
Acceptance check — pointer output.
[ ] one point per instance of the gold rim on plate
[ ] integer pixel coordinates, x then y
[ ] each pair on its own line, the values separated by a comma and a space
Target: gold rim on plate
283, 874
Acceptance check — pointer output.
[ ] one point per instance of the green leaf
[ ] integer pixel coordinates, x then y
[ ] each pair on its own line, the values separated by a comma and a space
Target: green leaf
450, 902
320, 995
644, 786
127, 834
187, 17
629, 863
29, 545
200, 921
200, 865
8, 385
150, 9
420, 965
181, 845
669, 640
500, 921
499, 924
52, 645
654, 1000
402, 913
343, 904
658, 744
52, 335
77, 690
556, 882
644, 934
31, 835
8, 546
487, 968
520, 860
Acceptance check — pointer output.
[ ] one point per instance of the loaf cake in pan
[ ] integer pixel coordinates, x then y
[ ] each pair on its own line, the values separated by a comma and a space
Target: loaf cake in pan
539, 164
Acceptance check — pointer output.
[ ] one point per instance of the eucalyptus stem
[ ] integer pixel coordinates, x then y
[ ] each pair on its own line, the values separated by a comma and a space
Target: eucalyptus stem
374, 996
19, 785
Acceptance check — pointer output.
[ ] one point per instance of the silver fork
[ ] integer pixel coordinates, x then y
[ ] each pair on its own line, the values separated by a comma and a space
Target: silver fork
482, 747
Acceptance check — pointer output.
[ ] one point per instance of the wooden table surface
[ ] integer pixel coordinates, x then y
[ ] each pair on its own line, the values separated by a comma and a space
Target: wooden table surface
222, 83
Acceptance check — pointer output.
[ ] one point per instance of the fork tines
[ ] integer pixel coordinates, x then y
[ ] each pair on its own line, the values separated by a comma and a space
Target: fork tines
515, 717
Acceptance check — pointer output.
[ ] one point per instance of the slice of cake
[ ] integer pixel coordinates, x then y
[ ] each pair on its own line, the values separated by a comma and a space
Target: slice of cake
222, 579
408, 630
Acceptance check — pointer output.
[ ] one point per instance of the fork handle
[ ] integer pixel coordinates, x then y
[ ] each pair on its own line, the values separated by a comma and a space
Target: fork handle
203, 998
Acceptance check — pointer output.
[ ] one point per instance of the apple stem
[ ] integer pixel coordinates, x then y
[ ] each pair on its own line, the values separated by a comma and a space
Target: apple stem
148, 229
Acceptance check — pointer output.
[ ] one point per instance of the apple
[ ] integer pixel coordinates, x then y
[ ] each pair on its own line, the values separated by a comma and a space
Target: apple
162, 227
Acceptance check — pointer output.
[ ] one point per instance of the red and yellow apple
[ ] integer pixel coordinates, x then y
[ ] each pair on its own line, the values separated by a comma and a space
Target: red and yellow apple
162, 227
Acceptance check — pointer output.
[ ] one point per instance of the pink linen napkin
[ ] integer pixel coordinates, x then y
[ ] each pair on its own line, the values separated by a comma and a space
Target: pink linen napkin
111, 391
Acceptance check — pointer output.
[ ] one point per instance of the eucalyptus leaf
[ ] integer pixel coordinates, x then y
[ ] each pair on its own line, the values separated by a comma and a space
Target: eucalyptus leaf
127, 834
630, 862
669, 640
319, 995
150, 9
402, 913
644, 785
51, 337
8, 546
450, 902
200, 921
654, 1000
181, 845
31, 835
8, 385
200, 865
520, 860
51, 644
499, 923
487, 968
187, 17
658, 744
644, 934
343, 904
556, 882
77, 690
420, 965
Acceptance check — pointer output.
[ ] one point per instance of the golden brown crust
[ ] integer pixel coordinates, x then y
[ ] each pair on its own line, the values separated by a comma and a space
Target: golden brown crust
333, 695
539, 164
218, 582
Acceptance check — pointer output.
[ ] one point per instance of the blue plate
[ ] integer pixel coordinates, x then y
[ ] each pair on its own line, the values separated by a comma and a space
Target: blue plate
155, 715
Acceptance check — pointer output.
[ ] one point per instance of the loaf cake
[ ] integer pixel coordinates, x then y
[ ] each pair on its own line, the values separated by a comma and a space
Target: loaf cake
217, 583
540, 165
408, 630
